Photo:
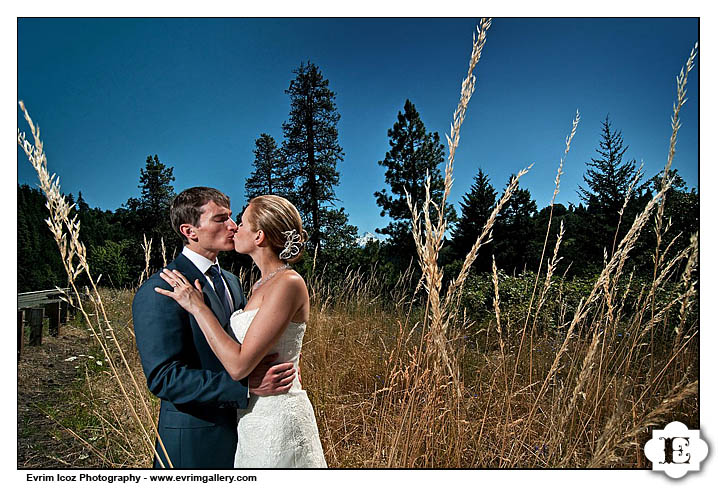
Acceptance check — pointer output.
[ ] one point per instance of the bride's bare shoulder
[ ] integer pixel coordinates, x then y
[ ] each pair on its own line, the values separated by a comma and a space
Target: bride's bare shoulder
286, 281
293, 282
290, 276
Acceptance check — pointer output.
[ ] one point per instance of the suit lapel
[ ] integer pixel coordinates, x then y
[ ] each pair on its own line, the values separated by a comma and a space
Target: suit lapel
191, 272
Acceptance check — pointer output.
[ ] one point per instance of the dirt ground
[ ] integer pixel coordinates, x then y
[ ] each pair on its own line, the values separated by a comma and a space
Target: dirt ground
44, 380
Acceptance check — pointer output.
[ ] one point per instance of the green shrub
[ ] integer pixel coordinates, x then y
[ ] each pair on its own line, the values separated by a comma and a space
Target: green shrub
109, 260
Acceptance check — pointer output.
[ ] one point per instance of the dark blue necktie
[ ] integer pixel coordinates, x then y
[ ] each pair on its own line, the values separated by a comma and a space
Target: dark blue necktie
214, 274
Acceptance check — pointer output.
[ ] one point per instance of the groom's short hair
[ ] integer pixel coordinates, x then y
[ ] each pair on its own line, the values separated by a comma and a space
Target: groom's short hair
186, 207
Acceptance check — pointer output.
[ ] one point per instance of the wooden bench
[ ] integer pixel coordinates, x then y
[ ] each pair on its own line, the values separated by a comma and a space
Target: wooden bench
33, 307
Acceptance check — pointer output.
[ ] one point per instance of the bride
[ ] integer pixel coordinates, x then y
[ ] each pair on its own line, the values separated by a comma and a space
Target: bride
274, 431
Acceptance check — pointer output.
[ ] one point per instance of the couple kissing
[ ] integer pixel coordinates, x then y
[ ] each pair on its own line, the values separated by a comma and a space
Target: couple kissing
226, 369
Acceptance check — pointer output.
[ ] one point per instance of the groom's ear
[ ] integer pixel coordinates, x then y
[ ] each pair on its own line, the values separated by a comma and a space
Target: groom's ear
188, 231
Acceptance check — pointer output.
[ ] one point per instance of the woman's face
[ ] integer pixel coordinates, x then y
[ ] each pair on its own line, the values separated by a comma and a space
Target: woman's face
245, 238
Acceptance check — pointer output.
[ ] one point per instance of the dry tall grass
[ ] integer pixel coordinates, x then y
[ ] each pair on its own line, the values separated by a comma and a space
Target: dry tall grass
589, 404
134, 420
401, 378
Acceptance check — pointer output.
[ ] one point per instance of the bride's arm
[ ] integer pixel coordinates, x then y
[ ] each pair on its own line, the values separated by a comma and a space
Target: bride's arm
288, 295
238, 359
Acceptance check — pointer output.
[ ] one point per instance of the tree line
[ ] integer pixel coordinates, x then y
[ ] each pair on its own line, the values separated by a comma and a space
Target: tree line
303, 167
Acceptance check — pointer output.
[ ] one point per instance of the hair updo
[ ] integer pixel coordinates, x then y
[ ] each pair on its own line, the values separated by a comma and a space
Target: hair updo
277, 217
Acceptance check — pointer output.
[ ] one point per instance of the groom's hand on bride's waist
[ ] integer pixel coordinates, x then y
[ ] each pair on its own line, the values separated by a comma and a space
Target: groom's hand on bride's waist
268, 379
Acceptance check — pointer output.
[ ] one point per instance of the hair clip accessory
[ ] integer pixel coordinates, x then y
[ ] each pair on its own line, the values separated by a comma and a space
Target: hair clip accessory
292, 245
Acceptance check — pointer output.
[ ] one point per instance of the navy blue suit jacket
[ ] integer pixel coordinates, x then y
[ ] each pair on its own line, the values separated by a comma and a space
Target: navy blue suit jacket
198, 411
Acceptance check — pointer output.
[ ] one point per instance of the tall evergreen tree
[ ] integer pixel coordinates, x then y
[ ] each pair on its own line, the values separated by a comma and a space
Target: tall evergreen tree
681, 210
475, 210
311, 146
560, 213
341, 235
513, 231
149, 214
270, 176
608, 179
39, 266
157, 190
152, 208
81, 204
681, 207
413, 152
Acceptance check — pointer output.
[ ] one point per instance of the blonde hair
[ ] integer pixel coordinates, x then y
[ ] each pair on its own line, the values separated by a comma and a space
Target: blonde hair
277, 217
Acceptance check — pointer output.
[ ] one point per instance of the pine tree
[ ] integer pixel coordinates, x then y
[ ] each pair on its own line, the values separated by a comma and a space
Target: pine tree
412, 154
340, 235
39, 266
149, 214
270, 176
681, 210
560, 213
608, 180
475, 210
156, 185
152, 207
311, 146
513, 231
81, 205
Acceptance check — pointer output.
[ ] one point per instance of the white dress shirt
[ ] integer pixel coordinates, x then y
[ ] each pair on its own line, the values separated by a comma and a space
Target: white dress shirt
203, 264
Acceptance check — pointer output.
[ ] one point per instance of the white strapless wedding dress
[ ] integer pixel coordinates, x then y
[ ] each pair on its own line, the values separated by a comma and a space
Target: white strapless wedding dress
278, 431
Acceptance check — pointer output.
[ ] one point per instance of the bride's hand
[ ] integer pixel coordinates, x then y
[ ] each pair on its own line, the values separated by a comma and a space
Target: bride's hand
187, 296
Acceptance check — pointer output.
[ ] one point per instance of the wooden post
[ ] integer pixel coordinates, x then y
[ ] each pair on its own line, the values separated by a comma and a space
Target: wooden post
53, 312
20, 331
63, 312
35, 320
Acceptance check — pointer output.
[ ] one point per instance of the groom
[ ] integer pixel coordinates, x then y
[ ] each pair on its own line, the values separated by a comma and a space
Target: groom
198, 411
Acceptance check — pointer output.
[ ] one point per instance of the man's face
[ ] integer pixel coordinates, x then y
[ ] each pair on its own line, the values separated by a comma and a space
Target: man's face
216, 228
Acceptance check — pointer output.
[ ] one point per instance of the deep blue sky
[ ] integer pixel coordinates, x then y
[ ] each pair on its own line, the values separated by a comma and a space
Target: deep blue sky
197, 92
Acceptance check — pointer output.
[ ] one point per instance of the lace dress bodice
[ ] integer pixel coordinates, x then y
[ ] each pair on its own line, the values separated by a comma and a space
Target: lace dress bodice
288, 347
